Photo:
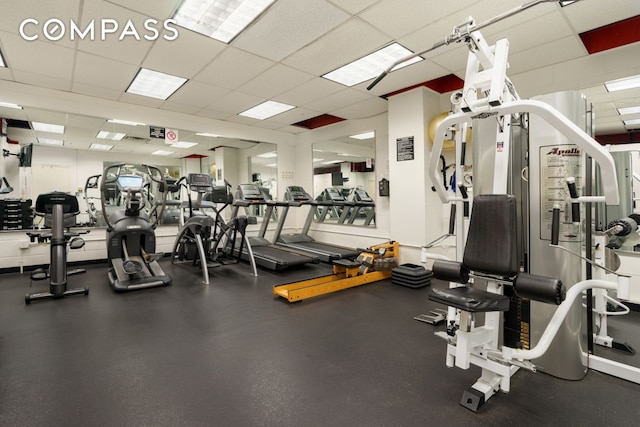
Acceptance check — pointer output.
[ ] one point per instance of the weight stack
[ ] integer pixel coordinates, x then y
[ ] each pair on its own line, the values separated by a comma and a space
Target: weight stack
411, 275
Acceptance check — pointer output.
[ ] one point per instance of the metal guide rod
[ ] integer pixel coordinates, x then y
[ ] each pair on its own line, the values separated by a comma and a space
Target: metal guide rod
459, 33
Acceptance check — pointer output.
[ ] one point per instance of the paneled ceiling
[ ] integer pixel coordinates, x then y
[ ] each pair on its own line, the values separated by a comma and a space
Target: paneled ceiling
282, 57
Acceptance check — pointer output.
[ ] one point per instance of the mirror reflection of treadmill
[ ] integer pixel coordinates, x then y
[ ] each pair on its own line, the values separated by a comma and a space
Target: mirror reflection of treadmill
302, 241
265, 253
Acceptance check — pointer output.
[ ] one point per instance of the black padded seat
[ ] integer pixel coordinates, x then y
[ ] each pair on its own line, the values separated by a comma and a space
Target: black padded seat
346, 263
470, 299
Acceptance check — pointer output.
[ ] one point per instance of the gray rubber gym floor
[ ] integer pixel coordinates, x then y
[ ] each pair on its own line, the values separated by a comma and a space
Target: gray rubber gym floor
230, 354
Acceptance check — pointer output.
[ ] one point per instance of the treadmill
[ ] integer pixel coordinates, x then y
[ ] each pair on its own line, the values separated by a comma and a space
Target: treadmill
265, 253
296, 196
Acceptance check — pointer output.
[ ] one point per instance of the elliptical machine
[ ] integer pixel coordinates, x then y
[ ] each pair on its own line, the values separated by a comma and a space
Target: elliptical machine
59, 211
131, 241
204, 240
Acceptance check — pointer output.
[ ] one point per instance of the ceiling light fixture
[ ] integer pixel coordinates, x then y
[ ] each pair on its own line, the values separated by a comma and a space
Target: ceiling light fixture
268, 155
2, 63
10, 105
629, 110
622, 84
315, 159
100, 147
125, 122
366, 135
49, 141
371, 66
162, 153
332, 162
266, 109
183, 144
219, 19
47, 127
567, 3
116, 136
632, 122
155, 84
210, 135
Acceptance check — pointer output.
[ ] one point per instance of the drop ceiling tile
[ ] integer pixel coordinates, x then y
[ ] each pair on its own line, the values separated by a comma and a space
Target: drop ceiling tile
232, 68
368, 108
532, 33
350, 41
555, 52
104, 72
337, 100
311, 90
198, 94
185, 56
294, 116
236, 102
141, 100
42, 80
180, 108
353, 6
275, 80
288, 26
212, 113
37, 57
42, 11
264, 124
160, 9
400, 17
127, 50
95, 91
588, 15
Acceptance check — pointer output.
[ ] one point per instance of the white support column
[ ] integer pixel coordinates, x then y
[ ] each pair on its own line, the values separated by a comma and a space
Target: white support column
417, 215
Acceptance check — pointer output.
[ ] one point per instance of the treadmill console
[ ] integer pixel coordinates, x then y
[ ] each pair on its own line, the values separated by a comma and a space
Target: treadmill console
199, 182
250, 192
362, 196
296, 194
333, 195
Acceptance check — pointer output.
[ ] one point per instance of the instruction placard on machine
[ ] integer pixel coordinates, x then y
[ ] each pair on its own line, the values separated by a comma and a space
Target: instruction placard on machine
557, 163
404, 148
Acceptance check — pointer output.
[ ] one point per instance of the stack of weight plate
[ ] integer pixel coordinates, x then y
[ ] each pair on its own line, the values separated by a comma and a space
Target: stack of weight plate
411, 275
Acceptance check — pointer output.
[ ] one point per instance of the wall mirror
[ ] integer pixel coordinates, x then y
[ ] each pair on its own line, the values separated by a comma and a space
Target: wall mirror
628, 173
344, 177
68, 149
249, 162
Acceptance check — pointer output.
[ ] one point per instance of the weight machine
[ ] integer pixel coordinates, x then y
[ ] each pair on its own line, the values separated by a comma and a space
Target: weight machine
519, 256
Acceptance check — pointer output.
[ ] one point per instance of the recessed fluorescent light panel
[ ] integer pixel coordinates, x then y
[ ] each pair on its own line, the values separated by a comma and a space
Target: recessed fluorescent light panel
125, 122
633, 122
371, 65
2, 63
268, 155
332, 162
622, 84
10, 105
183, 144
366, 135
629, 110
100, 147
49, 141
316, 159
266, 109
210, 135
271, 165
567, 3
155, 84
162, 153
219, 19
46, 127
116, 136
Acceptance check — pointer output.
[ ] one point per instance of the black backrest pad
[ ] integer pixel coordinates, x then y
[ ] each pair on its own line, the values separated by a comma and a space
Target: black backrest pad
491, 242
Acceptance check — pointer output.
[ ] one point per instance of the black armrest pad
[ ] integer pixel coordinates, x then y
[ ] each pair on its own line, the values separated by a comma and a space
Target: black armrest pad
451, 271
470, 299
